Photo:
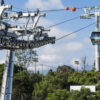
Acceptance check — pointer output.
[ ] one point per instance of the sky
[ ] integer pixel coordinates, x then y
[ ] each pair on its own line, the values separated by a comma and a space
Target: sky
69, 49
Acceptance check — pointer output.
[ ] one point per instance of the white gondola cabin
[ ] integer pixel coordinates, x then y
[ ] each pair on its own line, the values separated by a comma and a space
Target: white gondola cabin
95, 37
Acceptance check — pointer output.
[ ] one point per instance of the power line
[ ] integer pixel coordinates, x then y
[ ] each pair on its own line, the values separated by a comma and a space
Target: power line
75, 31
49, 10
63, 22
53, 10
40, 10
48, 66
58, 23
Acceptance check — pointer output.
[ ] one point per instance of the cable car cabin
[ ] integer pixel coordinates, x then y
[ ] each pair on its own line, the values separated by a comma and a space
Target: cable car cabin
95, 37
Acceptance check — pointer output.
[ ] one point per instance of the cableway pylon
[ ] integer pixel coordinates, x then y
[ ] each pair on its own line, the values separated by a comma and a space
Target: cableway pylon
95, 36
13, 37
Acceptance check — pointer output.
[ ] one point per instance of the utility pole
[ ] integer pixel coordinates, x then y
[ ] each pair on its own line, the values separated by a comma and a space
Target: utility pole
95, 36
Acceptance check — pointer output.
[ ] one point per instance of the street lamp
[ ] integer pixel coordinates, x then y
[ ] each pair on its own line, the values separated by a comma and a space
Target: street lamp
77, 64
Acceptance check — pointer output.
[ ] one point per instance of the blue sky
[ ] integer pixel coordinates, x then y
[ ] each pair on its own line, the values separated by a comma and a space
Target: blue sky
70, 48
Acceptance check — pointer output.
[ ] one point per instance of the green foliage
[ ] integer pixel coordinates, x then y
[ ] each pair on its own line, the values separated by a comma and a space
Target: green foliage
64, 69
40, 91
84, 94
54, 85
23, 84
58, 95
88, 78
74, 78
1, 73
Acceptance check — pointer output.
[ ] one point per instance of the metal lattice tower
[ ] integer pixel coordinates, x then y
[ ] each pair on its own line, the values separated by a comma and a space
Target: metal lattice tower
95, 36
13, 37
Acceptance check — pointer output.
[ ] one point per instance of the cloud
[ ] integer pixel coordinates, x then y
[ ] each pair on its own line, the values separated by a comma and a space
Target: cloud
58, 54
87, 40
2, 56
38, 68
87, 43
57, 32
2, 61
44, 4
49, 54
48, 57
73, 46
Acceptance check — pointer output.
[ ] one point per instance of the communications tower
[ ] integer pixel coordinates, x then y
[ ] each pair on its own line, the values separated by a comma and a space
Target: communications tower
95, 36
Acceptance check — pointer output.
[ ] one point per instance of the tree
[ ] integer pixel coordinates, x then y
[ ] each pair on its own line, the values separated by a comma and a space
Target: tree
25, 57
1, 73
40, 91
58, 95
23, 84
65, 68
54, 86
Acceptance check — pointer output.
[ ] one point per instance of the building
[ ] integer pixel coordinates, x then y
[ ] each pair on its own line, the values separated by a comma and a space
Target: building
78, 87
